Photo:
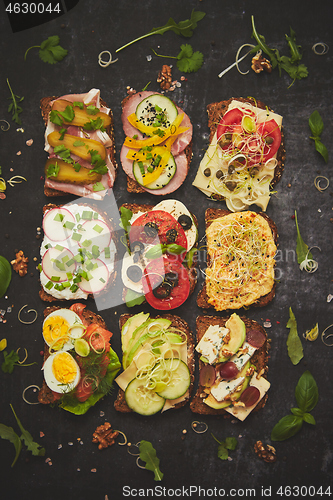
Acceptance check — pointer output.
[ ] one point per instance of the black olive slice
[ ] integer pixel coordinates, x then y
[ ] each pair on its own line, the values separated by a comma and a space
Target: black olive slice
137, 247
134, 273
171, 278
151, 229
171, 235
163, 291
185, 221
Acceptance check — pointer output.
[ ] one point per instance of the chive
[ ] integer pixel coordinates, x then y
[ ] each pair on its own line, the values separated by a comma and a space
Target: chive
69, 225
87, 215
59, 287
78, 217
73, 288
95, 215
95, 251
102, 280
89, 276
49, 285
76, 236
79, 258
66, 284
107, 252
69, 276
65, 259
59, 217
59, 247
60, 265
86, 243
77, 279
70, 262
48, 246
55, 278
39, 267
98, 228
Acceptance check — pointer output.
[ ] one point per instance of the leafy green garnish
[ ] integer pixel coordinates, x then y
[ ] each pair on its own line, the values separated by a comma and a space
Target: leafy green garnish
316, 125
157, 250
294, 344
289, 64
14, 108
9, 434
125, 217
184, 28
229, 444
302, 249
52, 170
133, 298
148, 455
5, 275
306, 394
94, 124
187, 60
98, 186
58, 117
49, 50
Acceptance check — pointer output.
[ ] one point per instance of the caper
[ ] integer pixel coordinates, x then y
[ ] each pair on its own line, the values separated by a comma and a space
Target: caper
185, 221
231, 185
254, 171
151, 229
225, 140
231, 169
269, 140
207, 172
219, 174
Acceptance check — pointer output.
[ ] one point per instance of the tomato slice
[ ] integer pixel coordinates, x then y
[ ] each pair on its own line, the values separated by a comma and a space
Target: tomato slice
153, 276
229, 121
271, 130
158, 227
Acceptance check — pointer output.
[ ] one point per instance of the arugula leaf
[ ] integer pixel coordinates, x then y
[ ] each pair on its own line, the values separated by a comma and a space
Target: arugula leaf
10, 360
189, 61
9, 434
5, 275
49, 50
14, 108
302, 249
35, 448
306, 394
316, 125
184, 28
294, 344
148, 455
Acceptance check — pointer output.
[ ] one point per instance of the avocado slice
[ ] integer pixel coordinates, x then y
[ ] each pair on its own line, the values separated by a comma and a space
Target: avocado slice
211, 401
146, 339
237, 336
130, 326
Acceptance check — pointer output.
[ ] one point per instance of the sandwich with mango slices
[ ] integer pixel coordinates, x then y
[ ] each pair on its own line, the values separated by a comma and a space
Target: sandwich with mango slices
159, 264
79, 139
158, 363
233, 354
157, 150
246, 155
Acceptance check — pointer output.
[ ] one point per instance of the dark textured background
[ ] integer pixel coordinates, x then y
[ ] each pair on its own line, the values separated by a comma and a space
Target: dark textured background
186, 459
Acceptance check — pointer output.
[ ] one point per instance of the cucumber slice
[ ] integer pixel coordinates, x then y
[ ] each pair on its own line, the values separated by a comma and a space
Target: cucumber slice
142, 400
179, 378
156, 110
140, 168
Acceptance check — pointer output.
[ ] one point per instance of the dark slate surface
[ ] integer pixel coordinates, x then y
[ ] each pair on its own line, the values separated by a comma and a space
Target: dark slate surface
186, 459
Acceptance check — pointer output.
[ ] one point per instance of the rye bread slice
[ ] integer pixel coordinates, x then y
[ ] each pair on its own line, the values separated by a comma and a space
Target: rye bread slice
176, 322
132, 184
214, 213
45, 395
192, 271
216, 110
47, 297
45, 107
259, 359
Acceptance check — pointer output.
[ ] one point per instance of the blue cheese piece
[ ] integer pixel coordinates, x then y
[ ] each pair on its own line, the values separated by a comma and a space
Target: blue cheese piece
241, 360
211, 343
241, 412
222, 389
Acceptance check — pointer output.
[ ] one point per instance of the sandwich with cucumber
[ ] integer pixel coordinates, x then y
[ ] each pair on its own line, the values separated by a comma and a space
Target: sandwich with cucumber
159, 264
157, 150
79, 140
233, 354
158, 363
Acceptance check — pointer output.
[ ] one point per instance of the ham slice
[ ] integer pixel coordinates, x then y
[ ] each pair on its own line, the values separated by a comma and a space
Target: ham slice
177, 148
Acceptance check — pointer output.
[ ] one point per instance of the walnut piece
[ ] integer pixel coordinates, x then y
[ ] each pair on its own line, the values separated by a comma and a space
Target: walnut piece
20, 264
260, 64
105, 436
165, 77
267, 452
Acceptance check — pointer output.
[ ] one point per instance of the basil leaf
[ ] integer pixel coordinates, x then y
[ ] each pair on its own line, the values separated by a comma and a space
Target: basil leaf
155, 252
306, 392
297, 411
287, 427
133, 298
175, 249
294, 344
309, 419
9, 434
125, 217
316, 123
148, 455
5, 275
322, 149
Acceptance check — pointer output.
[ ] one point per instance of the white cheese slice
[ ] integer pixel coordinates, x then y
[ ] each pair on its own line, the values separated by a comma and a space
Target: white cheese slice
126, 376
225, 387
240, 361
241, 412
211, 342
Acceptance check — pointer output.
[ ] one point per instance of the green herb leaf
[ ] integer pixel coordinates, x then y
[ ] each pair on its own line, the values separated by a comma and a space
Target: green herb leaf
316, 124
9, 434
50, 50
155, 252
302, 249
35, 448
5, 275
222, 452
98, 186
287, 427
189, 61
297, 411
184, 28
14, 108
174, 249
306, 392
125, 217
322, 149
10, 360
294, 344
133, 298
148, 455
52, 170
231, 443
309, 419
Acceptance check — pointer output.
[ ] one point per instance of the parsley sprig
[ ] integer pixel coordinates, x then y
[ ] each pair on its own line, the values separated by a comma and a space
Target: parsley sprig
184, 28
289, 64
14, 107
49, 50
187, 60
229, 444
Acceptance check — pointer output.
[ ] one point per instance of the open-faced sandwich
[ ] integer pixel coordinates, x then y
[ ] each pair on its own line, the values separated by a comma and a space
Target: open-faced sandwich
157, 150
246, 155
158, 363
79, 139
232, 366
241, 248
159, 265
79, 364
78, 252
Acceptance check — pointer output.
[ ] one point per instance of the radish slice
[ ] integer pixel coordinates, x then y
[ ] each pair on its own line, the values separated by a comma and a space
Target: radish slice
97, 233
54, 263
98, 280
58, 224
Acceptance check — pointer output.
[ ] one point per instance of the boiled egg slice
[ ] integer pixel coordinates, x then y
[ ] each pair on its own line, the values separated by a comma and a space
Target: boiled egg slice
61, 328
61, 372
